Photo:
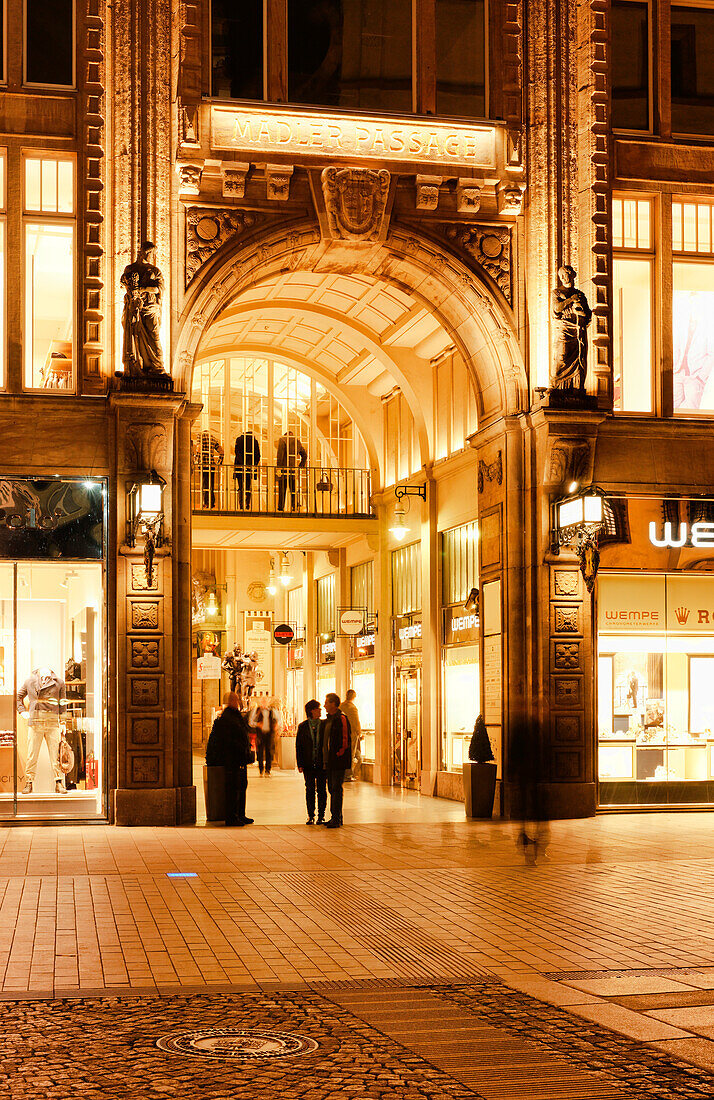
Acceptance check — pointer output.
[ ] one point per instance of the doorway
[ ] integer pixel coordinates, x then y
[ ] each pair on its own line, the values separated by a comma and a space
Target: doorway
407, 723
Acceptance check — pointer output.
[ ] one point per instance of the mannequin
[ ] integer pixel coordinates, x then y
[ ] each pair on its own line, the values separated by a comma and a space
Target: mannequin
40, 701
248, 675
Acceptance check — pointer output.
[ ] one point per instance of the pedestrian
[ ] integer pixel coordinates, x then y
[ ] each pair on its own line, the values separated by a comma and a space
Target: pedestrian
309, 758
209, 456
291, 456
229, 748
349, 708
247, 458
524, 745
336, 753
264, 722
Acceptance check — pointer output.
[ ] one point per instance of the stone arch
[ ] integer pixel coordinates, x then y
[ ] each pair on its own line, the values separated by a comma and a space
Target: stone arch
477, 324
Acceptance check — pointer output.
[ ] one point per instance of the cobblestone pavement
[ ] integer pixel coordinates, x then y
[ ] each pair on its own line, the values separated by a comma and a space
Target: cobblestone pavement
93, 1049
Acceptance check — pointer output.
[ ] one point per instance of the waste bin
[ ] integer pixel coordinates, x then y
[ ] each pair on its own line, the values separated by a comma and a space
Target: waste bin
214, 791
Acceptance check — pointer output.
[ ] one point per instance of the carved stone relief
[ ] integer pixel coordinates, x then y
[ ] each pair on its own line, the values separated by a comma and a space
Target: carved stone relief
233, 177
145, 653
145, 616
189, 174
490, 471
489, 246
567, 692
570, 459
468, 196
147, 446
355, 202
145, 693
567, 654
277, 181
145, 731
139, 583
566, 582
567, 727
427, 192
145, 769
208, 229
566, 620
567, 765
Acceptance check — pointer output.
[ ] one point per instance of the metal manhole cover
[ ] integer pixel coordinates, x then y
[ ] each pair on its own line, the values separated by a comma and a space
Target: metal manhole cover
236, 1042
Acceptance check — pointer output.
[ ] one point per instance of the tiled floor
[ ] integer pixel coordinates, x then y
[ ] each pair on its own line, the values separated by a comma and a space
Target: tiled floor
614, 928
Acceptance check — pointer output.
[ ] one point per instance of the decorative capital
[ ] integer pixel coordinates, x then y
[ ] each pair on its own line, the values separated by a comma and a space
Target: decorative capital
468, 196
189, 174
277, 178
233, 177
427, 192
510, 198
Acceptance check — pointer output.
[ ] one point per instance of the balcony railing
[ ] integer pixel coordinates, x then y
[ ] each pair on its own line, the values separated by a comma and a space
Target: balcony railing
271, 490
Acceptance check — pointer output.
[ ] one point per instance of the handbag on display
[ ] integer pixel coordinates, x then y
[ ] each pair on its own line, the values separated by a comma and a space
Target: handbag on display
92, 772
66, 756
72, 670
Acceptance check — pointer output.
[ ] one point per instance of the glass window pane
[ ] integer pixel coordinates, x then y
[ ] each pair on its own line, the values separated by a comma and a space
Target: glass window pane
692, 70
49, 306
49, 42
356, 56
65, 187
632, 343
2, 180
630, 66
693, 336
461, 58
2, 302
49, 186
33, 176
237, 49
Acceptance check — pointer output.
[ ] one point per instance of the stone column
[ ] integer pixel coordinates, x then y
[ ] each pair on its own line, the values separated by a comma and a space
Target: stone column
154, 782
430, 647
383, 759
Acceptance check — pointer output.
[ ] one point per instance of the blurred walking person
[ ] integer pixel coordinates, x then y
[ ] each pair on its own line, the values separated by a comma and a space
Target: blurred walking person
524, 750
349, 708
309, 759
263, 719
337, 755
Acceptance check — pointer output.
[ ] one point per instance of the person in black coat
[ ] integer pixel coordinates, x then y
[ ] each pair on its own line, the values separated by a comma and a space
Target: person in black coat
229, 747
309, 758
247, 457
337, 755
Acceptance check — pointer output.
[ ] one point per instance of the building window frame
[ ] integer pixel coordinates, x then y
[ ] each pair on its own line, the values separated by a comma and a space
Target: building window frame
42, 217
633, 243
43, 85
683, 256
650, 72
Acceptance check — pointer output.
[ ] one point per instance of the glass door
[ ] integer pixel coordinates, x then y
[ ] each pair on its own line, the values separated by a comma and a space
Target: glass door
407, 755
10, 774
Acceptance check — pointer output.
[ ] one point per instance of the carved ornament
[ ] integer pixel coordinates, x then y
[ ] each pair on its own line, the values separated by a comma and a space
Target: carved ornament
490, 471
208, 229
427, 192
147, 446
277, 178
468, 196
189, 174
489, 246
355, 202
571, 459
510, 198
233, 176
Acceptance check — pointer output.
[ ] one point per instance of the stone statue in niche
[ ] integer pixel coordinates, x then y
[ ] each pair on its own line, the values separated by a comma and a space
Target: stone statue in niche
143, 283
571, 315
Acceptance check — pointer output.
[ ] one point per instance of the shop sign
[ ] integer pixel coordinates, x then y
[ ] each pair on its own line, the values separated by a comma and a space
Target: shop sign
296, 656
328, 650
700, 534
208, 668
631, 605
351, 620
460, 626
283, 634
364, 645
266, 132
406, 633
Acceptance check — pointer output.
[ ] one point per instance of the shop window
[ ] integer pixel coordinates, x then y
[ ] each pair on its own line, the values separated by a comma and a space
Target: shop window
362, 585
237, 49
460, 699
692, 73
355, 56
461, 58
630, 65
632, 304
459, 563
655, 664
49, 42
406, 579
693, 305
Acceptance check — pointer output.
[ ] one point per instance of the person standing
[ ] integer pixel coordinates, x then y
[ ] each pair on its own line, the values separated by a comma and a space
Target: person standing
336, 753
309, 758
291, 454
229, 748
349, 708
247, 457
210, 457
263, 721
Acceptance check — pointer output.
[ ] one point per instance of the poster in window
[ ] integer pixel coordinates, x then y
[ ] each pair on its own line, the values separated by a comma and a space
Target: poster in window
693, 334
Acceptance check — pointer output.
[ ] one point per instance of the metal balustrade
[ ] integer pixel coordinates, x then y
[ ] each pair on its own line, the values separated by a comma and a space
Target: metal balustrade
272, 490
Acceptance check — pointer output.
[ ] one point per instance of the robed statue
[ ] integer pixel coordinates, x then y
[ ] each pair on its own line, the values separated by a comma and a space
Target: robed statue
144, 286
572, 315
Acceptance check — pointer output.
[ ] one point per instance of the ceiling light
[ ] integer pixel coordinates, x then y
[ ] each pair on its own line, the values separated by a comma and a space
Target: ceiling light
285, 575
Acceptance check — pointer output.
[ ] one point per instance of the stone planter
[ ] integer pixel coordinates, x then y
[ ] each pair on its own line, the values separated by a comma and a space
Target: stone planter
479, 789
214, 790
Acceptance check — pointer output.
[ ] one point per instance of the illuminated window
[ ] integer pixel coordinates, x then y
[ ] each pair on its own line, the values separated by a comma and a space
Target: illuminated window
49, 42
693, 306
49, 273
461, 58
2, 269
632, 304
692, 70
630, 65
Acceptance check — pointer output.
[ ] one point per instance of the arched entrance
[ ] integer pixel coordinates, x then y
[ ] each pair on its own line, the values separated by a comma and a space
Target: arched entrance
372, 329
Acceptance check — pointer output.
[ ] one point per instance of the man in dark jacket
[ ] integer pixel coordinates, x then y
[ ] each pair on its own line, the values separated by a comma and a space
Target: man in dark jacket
291, 454
309, 757
247, 457
229, 747
337, 755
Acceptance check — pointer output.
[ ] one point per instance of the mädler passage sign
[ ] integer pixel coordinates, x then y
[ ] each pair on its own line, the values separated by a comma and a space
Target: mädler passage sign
266, 132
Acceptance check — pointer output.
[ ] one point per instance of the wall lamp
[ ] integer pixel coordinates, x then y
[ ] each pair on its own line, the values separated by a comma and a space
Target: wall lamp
577, 521
399, 528
145, 517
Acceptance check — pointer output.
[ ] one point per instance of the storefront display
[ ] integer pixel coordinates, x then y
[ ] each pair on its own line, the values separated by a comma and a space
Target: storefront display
362, 680
407, 667
655, 670
460, 684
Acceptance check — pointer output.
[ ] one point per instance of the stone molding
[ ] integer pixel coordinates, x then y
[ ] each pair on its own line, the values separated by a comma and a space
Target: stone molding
209, 228
489, 246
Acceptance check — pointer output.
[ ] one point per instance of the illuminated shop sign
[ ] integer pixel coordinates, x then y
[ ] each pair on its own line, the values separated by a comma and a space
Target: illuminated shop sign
460, 626
327, 136
406, 633
682, 534
675, 604
327, 649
